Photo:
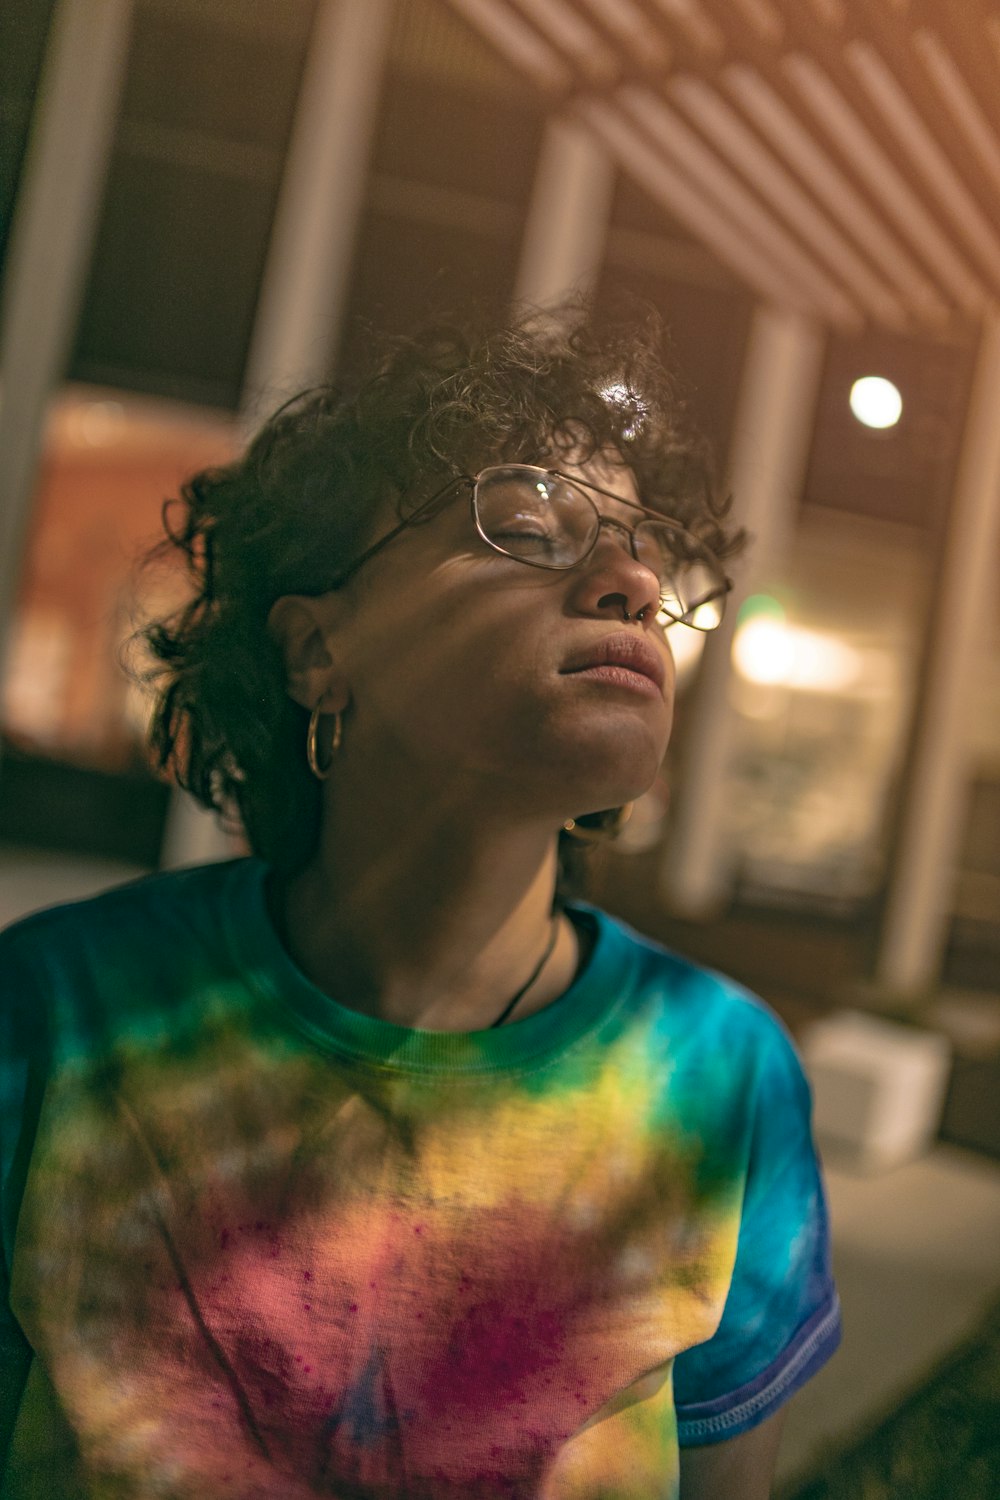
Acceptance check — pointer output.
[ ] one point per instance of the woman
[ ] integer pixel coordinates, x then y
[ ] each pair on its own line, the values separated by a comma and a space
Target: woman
370, 1165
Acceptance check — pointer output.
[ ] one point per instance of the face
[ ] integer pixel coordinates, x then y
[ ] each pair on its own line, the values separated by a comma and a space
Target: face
527, 686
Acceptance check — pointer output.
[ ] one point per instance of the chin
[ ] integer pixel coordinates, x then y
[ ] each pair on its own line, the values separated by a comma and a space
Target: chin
631, 774
596, 767
613, 793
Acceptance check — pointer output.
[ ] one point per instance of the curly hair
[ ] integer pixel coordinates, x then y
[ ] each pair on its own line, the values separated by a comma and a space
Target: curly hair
316, 482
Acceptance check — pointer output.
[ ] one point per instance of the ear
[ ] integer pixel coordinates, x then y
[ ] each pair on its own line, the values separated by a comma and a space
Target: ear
303, 627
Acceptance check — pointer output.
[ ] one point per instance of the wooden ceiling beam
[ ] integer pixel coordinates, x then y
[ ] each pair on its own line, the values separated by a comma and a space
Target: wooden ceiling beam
966, 26
887, 184
819, 31
978, 132
767, 260
630, 26
697, 39
787, 132
821, 49
519, 42
848, 134
719, 122
756, 48
939, 173
590, 51
883, 59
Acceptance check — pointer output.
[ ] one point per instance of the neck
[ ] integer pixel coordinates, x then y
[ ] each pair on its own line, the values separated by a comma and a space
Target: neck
437, 926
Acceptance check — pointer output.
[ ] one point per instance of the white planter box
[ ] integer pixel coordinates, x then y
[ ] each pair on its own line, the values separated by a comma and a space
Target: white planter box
878, 1088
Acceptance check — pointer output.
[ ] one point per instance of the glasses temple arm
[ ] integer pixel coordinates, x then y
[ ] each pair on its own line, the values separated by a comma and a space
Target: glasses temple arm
390, 536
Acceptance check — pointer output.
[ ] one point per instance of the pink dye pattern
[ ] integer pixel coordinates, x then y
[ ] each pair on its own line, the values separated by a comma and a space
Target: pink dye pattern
440, 1373
492, 1355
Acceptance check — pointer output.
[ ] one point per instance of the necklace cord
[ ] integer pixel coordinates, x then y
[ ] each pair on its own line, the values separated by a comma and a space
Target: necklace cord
536, 971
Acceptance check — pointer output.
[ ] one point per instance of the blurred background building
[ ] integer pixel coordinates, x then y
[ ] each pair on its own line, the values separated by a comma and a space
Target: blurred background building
206, 204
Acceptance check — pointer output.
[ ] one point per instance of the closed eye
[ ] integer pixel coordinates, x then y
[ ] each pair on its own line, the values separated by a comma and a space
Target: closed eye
522, 531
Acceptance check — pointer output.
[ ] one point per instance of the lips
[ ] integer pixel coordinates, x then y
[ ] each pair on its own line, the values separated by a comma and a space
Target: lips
629, 652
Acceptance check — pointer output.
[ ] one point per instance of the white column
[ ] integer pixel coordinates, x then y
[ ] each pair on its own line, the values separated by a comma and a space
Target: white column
568, 216
301, 302
51, 239
193, 835
923, 874
768, 457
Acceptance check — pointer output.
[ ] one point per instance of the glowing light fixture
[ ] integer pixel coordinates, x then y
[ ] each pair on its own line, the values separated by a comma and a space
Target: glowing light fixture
772, 653
764, 650
876, 402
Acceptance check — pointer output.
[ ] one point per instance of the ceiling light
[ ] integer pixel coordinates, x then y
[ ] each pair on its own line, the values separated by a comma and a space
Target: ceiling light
875, 401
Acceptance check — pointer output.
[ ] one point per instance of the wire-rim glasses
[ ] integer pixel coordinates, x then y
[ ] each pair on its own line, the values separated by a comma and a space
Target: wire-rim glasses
545, 519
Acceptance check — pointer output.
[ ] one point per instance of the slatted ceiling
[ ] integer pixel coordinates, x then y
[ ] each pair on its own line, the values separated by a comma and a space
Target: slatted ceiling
794, 206
428, 40
731, 195
765, 18
693, 24
778, 124
688, 203
891, 68
917, 141
809, 212
855, 125
519, 42
970, 118
593, 52
625, 20
830, 12
842, 156
902, 205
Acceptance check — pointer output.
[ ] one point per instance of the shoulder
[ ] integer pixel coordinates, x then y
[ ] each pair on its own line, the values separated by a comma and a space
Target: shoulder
144, 904
112, 944
140, 958
717, 1057
692, 999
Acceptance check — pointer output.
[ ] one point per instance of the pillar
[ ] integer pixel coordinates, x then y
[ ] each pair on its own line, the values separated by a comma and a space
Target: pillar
52, 236
568, 215
768, 457
301, 303
922, 877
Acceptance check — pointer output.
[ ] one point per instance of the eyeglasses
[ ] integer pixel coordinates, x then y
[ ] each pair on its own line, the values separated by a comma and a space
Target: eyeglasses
546, 520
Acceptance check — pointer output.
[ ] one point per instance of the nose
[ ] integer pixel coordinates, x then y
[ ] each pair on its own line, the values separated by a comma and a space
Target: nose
612, 583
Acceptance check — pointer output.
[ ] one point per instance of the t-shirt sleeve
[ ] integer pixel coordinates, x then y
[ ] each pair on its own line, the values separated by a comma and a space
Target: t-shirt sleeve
781, 1319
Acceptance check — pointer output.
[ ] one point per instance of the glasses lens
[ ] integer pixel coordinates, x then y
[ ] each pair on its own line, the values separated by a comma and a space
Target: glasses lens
693, 587
533, 516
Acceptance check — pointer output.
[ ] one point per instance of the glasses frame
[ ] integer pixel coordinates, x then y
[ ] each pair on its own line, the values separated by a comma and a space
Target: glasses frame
473, 480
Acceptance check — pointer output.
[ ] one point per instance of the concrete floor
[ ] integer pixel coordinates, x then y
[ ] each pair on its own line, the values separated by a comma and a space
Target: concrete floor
916, 1261
915, 1249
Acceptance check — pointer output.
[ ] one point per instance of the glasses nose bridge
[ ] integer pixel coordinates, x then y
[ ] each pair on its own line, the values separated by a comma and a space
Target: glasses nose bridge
613, 524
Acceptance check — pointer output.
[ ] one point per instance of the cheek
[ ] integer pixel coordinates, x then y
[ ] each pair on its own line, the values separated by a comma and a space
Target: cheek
436, 672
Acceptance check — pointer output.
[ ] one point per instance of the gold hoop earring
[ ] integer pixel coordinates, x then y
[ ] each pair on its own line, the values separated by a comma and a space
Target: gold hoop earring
600, 833
312, 744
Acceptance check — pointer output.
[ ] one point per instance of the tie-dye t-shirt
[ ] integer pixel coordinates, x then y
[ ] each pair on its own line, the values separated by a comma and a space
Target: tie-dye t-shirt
258, 1244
